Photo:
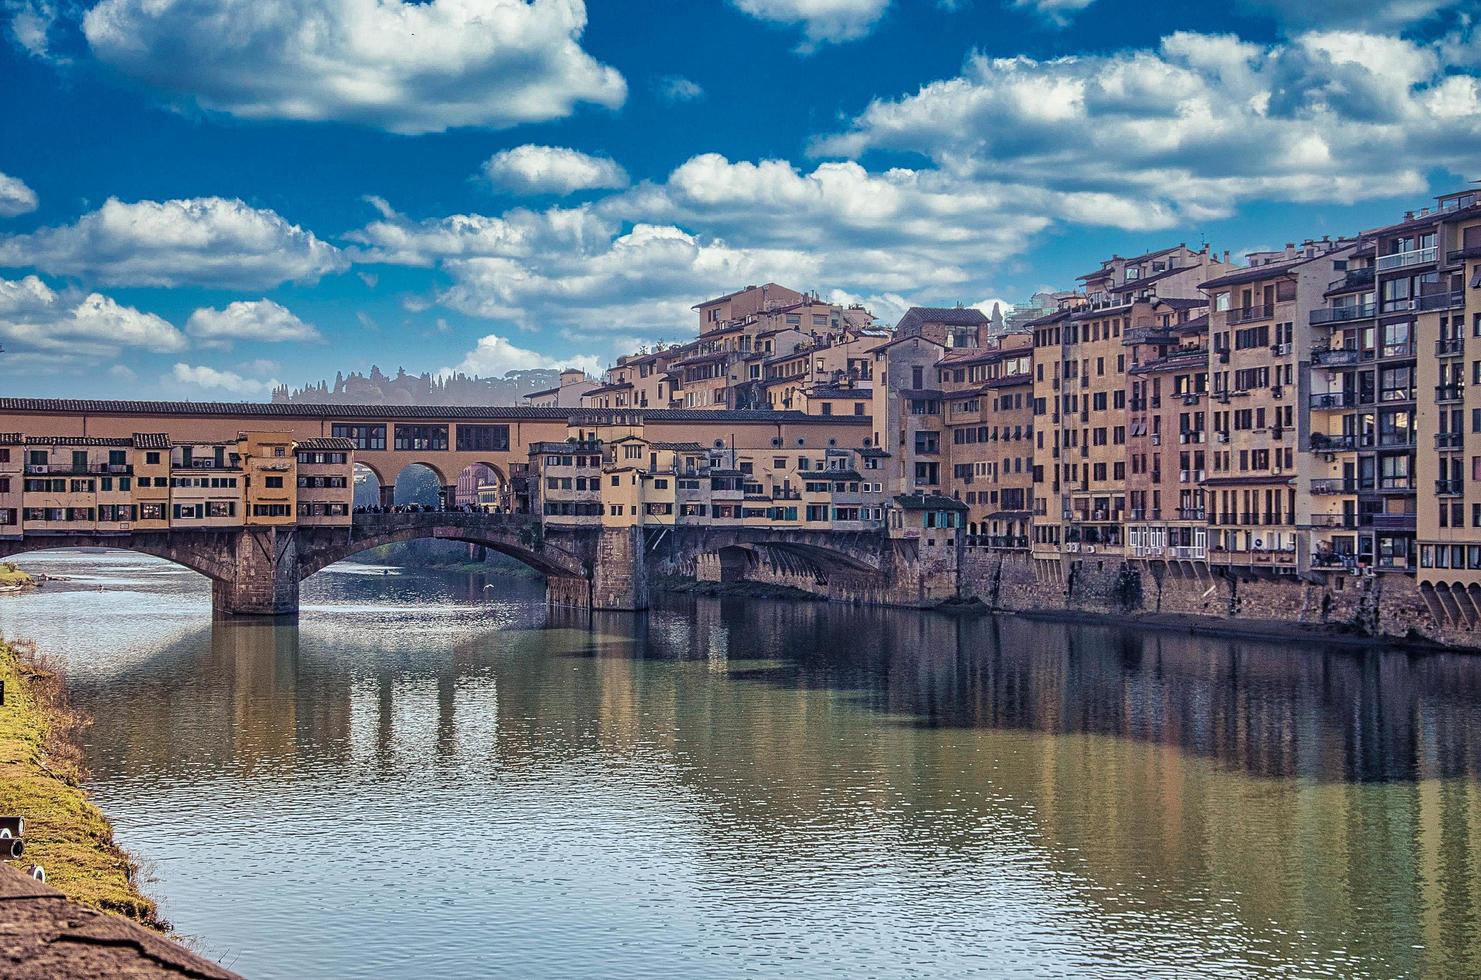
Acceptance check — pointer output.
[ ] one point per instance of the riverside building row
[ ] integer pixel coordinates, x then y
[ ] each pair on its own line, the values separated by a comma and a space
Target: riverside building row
1314, 411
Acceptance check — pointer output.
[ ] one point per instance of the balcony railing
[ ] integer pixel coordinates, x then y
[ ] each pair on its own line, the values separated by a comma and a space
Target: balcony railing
1403, 260
1461, 254
1393, 522
1335, 485
73, 469
1192, 514
1349, 521
1343, 314
1334, 356
1442, 301
1187, 552
1449, 393
1321, 443
1249, 314
1334, 560
1449, 488
1450, 346
1328, 400
1448, 440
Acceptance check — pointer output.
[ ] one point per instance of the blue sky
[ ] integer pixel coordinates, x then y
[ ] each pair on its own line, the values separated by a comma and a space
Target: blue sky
199, 198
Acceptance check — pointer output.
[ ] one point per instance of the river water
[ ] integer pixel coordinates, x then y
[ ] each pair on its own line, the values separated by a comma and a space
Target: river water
432, 775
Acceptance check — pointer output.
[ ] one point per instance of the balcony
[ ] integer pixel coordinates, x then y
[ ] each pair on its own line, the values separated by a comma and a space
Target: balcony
1450, 347
1321, 443
1449, 488
73, 469
1334, 356
1335, 485
1449, 393
1329, 400
1347, 521
1192, 514
1334, 561
1343, 314
1450, 441
1187, 552
1250, 314
1403, 260
1443, 301
1393, 522
1456, 255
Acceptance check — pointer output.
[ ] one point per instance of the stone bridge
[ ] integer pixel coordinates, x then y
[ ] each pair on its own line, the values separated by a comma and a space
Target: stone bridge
257, 570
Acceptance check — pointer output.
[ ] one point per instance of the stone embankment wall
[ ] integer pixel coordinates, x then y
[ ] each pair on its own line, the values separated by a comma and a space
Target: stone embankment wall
1382, 606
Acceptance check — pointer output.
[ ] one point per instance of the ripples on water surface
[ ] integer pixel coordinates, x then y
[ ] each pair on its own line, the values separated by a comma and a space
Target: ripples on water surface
428, 777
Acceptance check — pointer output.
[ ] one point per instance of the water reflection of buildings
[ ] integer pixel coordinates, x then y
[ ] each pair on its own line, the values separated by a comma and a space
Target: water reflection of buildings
1328, 797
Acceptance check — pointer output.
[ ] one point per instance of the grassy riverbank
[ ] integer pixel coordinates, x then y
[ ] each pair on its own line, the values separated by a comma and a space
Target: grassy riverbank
40, 777
13, 578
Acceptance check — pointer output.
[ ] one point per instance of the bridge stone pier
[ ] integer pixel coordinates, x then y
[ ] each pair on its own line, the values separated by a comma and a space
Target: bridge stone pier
257, 570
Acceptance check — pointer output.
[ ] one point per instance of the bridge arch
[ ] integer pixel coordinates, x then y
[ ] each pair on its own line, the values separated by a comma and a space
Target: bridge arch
808, 559
215, 559
468, 483
419, 482
523, 541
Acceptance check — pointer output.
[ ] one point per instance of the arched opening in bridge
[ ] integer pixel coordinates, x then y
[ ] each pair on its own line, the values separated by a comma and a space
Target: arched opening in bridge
733, 564
91, 568
420, 485
481, 487
370, 491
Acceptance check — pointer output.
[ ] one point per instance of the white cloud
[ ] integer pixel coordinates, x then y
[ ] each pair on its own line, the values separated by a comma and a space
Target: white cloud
532, 169
395, 239
205, 241
262, 321
494, 357
15, 197
644, 279
822, 21
1191, 130
1058, 12
36, 317
677, 88
1365, 14
212, 379
31, 24
405, 67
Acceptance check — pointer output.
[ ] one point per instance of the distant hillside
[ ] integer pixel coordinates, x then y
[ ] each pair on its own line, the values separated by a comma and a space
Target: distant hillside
377, 388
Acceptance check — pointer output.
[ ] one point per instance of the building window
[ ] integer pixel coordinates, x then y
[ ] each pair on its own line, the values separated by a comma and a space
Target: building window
363, 436
483, 438
273, 482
